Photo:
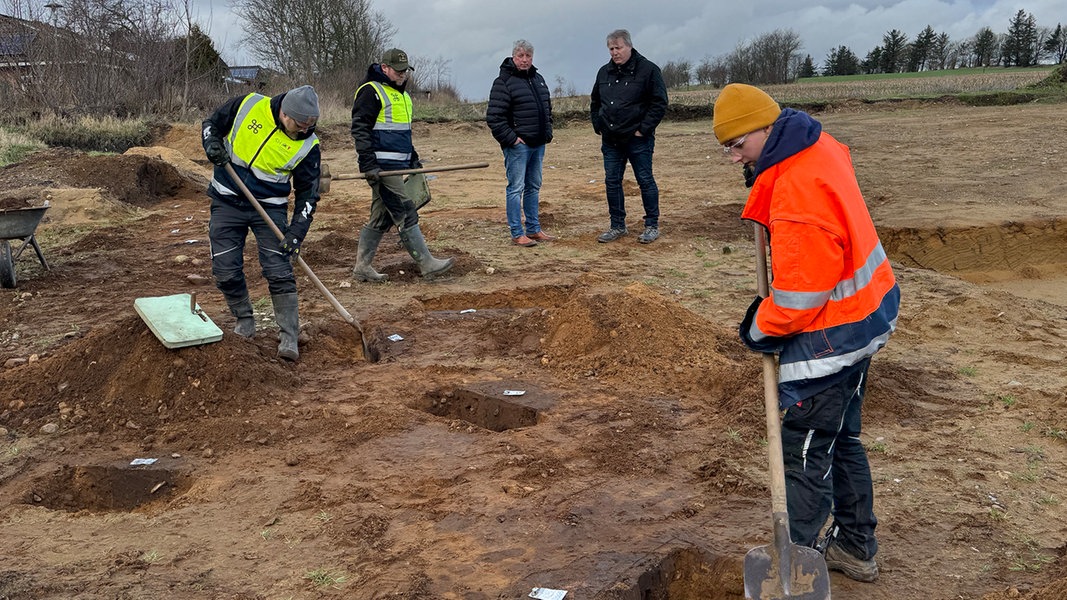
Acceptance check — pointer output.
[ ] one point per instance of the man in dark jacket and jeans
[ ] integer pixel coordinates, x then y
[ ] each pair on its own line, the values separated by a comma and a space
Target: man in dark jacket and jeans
520, 116
626, 105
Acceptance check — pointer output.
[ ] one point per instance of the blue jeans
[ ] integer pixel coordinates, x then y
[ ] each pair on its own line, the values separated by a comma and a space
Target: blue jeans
638, 150
523, 166
826, 466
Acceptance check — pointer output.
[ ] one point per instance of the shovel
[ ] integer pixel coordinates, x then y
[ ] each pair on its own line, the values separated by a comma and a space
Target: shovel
325, 178
781, 570
369, 353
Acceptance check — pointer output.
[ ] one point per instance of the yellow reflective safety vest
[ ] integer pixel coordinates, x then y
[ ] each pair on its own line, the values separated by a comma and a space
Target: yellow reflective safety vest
262, 154
391, 136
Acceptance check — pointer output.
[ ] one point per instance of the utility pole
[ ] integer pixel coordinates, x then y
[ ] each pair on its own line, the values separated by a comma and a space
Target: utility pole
54, 64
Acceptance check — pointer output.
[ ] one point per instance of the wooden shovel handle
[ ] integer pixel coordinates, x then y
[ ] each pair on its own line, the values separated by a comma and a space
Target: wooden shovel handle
342, 177
770, 389
299, 260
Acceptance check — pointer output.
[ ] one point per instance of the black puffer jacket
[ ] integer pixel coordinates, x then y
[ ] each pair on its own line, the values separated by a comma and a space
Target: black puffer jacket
520, 105
627, 98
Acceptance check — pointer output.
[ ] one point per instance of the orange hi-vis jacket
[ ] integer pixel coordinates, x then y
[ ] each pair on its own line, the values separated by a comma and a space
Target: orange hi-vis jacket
834, 299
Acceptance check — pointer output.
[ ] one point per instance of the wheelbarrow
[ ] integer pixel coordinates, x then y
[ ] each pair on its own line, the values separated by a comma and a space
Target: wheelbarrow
18, 225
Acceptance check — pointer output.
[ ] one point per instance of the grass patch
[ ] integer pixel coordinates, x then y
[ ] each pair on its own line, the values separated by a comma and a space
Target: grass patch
325, 578
101, 134
1054, 432
878, 447
1030, 475
1031, 563
968, 371
16, 146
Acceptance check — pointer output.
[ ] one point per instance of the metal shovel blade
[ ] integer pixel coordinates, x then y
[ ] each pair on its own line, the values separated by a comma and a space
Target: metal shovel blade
802, 575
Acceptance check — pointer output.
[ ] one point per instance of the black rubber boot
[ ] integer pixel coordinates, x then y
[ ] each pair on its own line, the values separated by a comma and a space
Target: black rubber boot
369, 238
285, 313
242, 311
416, 247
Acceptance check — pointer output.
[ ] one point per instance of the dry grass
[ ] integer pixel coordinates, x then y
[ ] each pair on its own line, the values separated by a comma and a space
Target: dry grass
807, 91
883, 88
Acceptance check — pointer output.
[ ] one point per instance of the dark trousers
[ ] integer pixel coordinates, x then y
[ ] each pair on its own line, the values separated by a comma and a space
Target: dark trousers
227, 231
826, 466
638, 151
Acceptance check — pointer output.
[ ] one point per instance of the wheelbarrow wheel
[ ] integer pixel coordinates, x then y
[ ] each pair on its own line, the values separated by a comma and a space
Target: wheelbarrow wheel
7, 265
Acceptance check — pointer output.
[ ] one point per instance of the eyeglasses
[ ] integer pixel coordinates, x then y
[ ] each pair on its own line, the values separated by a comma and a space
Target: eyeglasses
305, 125
728, 148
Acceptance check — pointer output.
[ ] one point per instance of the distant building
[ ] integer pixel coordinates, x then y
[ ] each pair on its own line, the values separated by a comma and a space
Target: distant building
253, 76
28, 47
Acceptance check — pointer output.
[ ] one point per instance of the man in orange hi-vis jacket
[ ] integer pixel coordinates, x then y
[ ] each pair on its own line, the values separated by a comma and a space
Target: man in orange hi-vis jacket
833, 303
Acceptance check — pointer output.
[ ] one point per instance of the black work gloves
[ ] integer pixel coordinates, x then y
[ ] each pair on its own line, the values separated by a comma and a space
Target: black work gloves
216, 152
291, 244
372, 175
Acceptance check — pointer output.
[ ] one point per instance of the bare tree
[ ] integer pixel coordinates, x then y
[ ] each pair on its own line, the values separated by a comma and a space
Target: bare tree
110, 56
431, 75
315, 40
677, 74
771, 58
564, 88
714, 72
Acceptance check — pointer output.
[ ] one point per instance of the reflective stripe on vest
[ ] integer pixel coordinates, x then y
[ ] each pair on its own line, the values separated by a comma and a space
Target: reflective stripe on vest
260, 146
392, 128
823, 320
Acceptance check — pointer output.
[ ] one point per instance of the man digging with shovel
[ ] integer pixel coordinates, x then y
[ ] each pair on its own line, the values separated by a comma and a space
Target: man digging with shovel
271, 145
833, 303
381, 129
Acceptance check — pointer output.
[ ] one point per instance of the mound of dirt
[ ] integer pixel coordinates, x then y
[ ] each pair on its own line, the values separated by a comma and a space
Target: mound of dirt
183, 138
636, 337
133, 179
192, 172
120, 376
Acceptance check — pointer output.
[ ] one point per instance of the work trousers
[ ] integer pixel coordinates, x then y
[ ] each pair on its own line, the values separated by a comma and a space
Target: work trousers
826, 466
227, 231
390, 205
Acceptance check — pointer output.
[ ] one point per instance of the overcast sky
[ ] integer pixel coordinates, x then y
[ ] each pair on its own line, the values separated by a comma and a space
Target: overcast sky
569, 35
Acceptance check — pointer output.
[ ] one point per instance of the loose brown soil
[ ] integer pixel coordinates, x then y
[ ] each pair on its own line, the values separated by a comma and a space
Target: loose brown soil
632, 467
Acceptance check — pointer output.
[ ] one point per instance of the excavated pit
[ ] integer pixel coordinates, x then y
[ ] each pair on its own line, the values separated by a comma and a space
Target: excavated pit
684, 574
1011, 250
496, 406
109, 488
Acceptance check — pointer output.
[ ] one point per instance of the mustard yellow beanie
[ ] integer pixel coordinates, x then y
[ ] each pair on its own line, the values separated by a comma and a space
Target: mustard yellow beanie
740, 109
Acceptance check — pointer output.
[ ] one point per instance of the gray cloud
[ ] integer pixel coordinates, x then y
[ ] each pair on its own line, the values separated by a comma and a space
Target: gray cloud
568, 35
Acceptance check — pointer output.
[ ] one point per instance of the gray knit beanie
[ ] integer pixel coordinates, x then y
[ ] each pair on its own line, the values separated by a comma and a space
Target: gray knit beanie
301, 104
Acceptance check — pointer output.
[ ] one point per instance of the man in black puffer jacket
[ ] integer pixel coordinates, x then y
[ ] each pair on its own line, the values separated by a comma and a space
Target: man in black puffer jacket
520, 116
628, 101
